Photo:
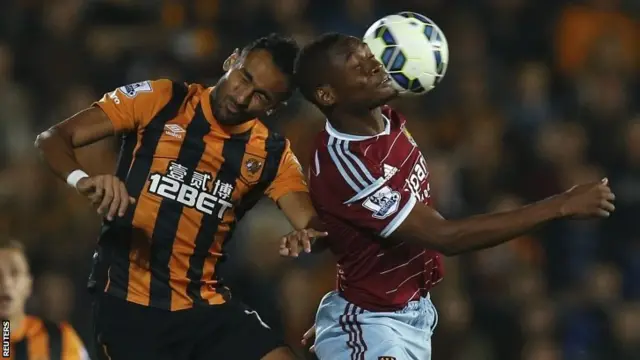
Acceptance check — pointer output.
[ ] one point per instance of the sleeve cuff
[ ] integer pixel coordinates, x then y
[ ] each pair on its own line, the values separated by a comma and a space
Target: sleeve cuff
117, 126
399, 218
276, 196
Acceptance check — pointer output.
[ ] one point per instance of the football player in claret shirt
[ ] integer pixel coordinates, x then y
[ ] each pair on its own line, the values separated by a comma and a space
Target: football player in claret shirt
31, 337
369, 183
194, 160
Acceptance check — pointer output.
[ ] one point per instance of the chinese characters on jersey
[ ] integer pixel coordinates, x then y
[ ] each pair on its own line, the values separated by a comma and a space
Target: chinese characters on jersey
197, 190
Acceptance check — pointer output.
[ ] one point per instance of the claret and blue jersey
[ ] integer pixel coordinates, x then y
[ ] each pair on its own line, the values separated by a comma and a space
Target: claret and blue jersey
364, 187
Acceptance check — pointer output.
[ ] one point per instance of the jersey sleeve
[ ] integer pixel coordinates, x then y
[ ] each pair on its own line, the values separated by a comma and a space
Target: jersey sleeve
352, 190
289, 178
133, 106
72, 346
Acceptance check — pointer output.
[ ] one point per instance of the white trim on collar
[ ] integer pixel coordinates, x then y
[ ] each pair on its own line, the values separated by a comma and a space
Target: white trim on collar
342, 136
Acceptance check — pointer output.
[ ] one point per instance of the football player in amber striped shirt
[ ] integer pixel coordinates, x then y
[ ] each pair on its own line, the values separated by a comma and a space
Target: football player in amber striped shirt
194, 160
32, 338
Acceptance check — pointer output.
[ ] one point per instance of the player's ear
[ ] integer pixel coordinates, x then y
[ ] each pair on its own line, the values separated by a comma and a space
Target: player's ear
325, 96
231, 60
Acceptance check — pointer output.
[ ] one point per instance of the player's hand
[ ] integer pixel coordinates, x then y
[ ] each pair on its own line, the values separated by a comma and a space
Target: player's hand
107, 193
298, 240
589, 200
309, 337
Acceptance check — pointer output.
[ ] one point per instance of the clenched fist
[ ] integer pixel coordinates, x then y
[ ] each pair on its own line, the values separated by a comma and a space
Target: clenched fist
107, 193
588, 200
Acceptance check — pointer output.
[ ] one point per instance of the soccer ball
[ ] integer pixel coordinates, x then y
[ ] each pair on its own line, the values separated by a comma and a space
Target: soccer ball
412, 49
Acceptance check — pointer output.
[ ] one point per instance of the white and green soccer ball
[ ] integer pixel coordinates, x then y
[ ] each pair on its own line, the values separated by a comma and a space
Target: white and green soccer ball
412, 49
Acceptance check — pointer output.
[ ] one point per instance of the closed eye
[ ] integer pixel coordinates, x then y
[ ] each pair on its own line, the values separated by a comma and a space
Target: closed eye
262, 97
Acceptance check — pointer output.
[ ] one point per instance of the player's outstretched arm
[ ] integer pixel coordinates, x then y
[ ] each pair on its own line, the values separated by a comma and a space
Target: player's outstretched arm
451, 237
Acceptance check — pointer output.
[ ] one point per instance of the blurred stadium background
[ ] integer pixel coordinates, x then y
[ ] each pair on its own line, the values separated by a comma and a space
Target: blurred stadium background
539, 95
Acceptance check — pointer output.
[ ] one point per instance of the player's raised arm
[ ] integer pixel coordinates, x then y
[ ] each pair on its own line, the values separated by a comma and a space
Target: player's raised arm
123, 110
425, 226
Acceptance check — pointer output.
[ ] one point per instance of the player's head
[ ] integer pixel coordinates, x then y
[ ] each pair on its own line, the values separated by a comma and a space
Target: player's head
15, 278
258, 79
337, 71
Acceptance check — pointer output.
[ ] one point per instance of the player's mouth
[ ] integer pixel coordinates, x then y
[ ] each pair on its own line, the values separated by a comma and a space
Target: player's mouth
232, 108
386, 79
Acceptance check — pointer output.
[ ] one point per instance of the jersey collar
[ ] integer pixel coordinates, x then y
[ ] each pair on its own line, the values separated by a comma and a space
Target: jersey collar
342, 136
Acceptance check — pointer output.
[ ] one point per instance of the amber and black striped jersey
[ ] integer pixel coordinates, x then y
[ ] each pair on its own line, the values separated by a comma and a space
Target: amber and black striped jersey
193, 180
37, 339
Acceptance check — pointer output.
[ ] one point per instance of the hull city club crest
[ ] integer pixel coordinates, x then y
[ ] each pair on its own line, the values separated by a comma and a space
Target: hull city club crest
252, 168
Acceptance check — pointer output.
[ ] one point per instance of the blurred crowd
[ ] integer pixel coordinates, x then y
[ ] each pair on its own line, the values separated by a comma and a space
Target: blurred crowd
539, 95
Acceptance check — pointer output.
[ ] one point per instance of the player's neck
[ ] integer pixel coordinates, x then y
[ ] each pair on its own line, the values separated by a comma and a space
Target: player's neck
16, 321
370, 123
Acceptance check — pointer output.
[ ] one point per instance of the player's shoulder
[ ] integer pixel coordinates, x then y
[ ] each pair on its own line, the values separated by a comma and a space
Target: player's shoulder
66, 328
339, 150
331, 141
262, 136
161, 88
262, 132
395, 117
359, 154
32, 324
342, 169
135, 89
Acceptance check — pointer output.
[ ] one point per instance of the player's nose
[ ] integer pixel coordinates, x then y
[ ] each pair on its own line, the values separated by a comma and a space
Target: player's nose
243, 96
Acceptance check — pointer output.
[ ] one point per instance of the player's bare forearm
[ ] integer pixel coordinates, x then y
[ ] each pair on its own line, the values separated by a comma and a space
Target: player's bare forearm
309, 230
298, 209
488, 230
426, 227
57, 144
452, 237
56, 151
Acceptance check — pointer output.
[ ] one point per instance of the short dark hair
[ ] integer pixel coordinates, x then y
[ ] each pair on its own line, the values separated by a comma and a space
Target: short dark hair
283, 49
312, 60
